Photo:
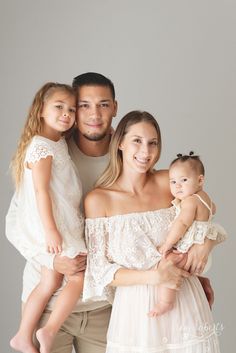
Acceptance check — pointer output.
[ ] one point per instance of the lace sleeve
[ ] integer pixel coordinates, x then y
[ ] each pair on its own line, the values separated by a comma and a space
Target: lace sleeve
38, 150
216, 232
100, 270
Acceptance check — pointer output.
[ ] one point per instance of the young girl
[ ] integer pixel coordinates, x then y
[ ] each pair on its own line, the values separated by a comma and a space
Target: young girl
49, 193
194, 210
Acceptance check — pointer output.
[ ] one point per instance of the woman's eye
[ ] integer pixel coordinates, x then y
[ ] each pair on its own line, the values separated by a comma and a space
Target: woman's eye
137, 140
153, 143
59, 106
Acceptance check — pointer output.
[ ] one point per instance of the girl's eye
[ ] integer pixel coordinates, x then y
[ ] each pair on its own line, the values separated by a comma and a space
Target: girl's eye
184, 179
72, 110
172, 182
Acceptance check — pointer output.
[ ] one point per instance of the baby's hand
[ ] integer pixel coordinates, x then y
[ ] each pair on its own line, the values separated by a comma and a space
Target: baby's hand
53, 242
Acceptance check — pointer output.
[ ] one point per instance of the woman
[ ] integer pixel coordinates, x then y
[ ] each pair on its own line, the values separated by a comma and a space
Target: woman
128, 216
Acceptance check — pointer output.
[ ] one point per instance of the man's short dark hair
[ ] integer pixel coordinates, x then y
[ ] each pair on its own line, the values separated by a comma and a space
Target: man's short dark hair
93, 79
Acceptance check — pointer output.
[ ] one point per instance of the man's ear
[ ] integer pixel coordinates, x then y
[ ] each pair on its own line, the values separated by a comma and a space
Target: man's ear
115, 108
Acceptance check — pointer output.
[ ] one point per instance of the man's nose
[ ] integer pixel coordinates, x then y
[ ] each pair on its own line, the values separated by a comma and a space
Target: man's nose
94, 111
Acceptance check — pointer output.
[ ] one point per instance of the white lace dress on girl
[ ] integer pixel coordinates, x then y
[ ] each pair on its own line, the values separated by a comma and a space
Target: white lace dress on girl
65, 192
131, 241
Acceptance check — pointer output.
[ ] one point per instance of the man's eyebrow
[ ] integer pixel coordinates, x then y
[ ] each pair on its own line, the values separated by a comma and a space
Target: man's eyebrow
101, 101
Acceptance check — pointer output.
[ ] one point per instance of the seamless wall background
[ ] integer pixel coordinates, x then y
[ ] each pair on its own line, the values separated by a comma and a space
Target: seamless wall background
175, 59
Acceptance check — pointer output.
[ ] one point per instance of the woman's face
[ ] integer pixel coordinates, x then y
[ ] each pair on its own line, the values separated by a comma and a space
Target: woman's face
140, 147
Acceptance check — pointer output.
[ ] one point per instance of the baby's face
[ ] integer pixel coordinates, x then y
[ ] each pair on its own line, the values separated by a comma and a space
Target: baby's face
184, 180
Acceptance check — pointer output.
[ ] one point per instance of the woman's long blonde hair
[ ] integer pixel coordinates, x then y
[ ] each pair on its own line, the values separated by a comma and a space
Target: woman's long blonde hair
33, 126
114, 168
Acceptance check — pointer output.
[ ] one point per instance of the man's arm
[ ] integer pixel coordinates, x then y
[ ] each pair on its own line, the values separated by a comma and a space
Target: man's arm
206, 285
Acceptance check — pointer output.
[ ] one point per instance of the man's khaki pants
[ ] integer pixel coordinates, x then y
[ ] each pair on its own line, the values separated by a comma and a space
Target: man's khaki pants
85, 331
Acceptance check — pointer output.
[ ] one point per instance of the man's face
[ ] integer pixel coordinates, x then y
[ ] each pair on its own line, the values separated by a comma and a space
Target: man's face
95, 111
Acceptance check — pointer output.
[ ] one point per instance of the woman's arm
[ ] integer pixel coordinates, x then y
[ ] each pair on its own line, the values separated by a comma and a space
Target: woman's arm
167, 274
41, 173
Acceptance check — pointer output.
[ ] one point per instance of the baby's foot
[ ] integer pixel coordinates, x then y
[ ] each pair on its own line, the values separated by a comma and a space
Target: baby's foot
21, 344
45, 338
161, 308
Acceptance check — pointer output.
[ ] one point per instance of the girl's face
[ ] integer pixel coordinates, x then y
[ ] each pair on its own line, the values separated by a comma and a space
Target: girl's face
184, 180
140, 147
58, 114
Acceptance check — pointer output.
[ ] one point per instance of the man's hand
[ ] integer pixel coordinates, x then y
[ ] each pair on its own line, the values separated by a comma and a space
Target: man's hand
206, 285
70, 267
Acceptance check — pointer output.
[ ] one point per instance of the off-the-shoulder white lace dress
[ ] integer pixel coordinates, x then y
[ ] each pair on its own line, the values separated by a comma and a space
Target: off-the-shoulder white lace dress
130, 241
65, 192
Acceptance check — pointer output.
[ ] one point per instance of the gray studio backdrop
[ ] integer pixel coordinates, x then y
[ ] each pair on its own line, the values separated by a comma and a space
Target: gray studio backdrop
175, 59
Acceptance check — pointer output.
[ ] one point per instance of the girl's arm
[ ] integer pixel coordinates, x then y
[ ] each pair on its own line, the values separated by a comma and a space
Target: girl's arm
180, 224
41, 173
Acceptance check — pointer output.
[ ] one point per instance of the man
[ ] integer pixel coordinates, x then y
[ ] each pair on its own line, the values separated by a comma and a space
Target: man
86, 327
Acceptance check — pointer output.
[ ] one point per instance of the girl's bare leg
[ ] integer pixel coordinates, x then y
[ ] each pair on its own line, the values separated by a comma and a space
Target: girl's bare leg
32, 310
166, 299
63, 307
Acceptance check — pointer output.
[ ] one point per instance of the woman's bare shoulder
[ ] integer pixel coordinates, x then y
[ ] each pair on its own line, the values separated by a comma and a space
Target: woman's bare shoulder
162, 176
95, 203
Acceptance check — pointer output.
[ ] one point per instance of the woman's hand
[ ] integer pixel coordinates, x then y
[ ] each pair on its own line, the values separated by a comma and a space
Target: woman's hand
168, 272
198, 256
70, 267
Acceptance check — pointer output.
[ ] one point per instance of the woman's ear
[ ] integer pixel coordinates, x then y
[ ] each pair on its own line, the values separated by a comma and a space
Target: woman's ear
121, 147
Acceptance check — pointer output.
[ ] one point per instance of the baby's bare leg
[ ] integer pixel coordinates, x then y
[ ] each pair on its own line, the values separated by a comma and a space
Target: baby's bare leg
50, 281
63, 307
166, 299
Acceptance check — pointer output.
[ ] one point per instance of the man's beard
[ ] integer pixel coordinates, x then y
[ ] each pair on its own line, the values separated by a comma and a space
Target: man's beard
95, 137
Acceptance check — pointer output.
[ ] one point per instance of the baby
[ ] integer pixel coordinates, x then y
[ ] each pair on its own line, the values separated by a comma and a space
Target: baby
194, 210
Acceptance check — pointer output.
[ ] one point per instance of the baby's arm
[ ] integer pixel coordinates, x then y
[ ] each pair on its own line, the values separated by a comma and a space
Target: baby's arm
180, 224
41, 172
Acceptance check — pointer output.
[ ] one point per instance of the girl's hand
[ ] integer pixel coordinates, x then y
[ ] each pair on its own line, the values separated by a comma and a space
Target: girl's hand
54, 242
198, 256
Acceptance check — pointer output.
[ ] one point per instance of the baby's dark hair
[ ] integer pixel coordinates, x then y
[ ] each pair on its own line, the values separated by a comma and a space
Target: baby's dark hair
194, 161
